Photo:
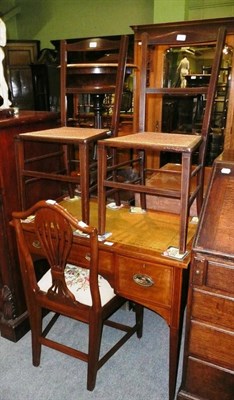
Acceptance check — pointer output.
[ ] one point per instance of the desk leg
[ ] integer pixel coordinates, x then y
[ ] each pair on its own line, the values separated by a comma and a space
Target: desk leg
102, 172
84, 180
179, 299
173, 361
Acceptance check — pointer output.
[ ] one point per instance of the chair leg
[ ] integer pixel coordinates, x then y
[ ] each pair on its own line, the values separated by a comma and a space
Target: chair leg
36, 331
139, 309
95, 335
113, 161
184, 208
200, 183
142, 166
68, 151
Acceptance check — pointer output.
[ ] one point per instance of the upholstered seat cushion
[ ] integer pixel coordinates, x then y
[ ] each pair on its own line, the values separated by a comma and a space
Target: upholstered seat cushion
77, 280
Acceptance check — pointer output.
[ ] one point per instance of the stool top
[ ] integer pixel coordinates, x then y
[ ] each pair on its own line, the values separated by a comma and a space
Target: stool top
156, 141
66, 134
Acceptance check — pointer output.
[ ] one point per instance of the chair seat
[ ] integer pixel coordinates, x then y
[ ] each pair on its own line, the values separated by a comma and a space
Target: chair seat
77, 280
156, 141
66, 134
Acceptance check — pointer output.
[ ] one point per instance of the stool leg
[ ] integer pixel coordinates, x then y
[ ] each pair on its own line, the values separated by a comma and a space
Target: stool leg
67, 155
84, 180
200, 184
102, 173
142, 178
115, 173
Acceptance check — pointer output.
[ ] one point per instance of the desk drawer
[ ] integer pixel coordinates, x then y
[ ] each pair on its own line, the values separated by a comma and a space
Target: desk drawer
80, 253
144, 281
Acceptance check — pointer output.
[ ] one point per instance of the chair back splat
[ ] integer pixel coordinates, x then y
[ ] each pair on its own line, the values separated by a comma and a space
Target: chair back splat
71, 284
100, 70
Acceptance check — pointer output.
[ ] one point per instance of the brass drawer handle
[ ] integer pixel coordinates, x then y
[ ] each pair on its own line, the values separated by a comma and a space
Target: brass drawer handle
36, 244
143, 280
88, 257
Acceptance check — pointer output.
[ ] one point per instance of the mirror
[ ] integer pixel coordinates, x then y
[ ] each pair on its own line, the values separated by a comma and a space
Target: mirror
191, 66
186, 67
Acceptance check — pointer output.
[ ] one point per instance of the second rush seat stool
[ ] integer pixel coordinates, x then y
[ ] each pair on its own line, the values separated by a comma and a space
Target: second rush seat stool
184, 144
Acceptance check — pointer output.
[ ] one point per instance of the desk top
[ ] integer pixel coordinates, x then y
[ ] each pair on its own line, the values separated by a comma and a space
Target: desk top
148, 234
65, 134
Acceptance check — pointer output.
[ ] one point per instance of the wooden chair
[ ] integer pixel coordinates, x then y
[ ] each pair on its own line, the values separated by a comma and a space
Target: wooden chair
97, 79
184, 144
76, 155
72, 287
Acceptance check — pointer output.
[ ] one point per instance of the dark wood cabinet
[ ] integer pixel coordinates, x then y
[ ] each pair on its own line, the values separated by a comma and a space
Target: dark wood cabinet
13, 321
209, 345
46, 87
18, 57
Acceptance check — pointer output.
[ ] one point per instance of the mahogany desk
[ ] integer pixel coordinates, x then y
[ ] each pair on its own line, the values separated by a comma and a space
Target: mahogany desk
134, 250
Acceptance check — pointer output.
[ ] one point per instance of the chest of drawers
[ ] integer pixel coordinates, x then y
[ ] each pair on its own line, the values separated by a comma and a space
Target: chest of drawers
208, 370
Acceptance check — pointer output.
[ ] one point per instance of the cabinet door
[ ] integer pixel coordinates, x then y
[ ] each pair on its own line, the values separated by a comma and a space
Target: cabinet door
20, 84
18, 57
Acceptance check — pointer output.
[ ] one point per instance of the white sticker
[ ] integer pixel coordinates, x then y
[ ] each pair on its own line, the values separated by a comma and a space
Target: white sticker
82, 224
92, 44
52, 202
181, 38
226, 171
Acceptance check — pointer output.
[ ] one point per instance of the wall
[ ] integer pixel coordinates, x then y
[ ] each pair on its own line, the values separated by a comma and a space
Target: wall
172, 10
205, 9
46, 20
8, 12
